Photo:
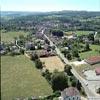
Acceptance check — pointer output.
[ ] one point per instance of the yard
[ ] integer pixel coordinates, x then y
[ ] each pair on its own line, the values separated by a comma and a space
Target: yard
20, 78
9, 36
95, 51
53, 63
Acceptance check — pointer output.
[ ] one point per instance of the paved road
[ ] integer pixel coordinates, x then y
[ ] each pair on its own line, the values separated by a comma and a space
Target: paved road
90, 94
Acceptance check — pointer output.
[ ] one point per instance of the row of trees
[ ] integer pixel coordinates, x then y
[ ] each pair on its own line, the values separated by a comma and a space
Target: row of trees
58, 33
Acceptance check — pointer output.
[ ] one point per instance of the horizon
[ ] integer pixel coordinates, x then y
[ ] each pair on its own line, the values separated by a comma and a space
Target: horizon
51, 11
50, 5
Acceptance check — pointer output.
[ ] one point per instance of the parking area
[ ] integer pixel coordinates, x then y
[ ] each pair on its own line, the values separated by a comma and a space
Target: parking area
91, 75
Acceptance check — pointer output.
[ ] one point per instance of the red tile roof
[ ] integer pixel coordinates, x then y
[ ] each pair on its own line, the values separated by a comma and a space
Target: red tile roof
93, 60
97, 70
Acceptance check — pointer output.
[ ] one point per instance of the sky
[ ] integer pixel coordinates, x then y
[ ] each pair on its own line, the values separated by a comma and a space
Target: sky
49, 5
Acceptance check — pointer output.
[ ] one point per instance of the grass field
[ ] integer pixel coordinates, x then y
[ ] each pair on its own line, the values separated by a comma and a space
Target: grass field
82, 32
20, 78
9, 36
53, 63
93, 52
79, 33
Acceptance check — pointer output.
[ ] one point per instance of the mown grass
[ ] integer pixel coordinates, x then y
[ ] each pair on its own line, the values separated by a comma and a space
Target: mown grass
20, 78
93, 52
9, 36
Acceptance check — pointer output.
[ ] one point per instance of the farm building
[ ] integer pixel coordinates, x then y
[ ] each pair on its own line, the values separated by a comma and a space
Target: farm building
97, 70
93, 60
70, 93
44, 53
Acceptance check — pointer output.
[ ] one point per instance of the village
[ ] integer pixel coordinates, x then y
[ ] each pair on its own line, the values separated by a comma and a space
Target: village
53, 50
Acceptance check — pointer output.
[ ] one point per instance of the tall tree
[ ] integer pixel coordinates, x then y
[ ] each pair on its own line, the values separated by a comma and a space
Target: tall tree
59, 81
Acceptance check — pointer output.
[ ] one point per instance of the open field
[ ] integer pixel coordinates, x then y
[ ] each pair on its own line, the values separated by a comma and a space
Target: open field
68, 33
93, 52
82, 32
53, 63
20, 78
78, 32
9, 36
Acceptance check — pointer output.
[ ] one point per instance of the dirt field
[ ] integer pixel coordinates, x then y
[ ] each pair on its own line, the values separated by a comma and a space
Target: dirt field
53, 63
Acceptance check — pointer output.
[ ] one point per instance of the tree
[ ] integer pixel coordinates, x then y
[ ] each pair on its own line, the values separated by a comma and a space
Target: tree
34, 56
59, 81
87, 47
73, 83
91, 37
47, 75
58, 33
98, 90
22, 51
78, 85
75, 53
67, 69
69, 57
38, 64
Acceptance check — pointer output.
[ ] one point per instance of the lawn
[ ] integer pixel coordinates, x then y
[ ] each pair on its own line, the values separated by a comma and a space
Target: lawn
20, 78
93, 52
53, 63
9, 36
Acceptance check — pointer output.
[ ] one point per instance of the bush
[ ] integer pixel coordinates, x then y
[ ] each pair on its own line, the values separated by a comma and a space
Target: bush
47, 75
38, 64
34, 56
67, 69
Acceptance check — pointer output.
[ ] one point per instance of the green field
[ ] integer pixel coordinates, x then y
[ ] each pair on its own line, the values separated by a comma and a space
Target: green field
93, 52
79, 33
9, 36
20, 78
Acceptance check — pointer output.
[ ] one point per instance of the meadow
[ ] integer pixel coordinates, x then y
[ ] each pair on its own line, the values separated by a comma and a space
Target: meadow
20, 78
9, 36
79, 33
95, 50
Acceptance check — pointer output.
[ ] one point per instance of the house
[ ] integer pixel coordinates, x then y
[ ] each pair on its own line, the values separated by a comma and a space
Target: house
44, 53
97, 70
93, 60
97, 36
29, 45
70, 93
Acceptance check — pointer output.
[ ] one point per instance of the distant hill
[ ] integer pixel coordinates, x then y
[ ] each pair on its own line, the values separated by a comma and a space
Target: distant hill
64, 12
17, 13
